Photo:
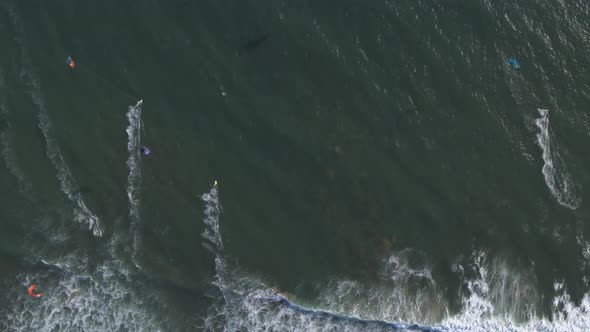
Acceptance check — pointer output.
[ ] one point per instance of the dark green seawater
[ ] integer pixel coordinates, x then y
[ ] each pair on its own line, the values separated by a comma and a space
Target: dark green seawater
380, 166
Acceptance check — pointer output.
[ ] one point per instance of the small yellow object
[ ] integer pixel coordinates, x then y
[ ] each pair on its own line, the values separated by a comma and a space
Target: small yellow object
215, 183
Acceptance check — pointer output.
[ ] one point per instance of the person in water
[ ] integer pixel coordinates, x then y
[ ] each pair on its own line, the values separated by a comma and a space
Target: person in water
145, 151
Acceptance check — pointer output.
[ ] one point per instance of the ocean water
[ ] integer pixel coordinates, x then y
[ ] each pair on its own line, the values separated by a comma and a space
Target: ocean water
314, 166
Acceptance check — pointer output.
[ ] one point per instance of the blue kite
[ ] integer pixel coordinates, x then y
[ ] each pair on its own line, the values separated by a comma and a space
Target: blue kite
513, 62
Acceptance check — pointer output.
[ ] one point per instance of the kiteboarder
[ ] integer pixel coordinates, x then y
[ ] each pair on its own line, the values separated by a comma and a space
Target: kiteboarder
31, 292
145, 151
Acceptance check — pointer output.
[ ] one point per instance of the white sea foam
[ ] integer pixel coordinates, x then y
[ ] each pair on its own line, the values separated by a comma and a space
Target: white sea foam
81, 294
67, 182
212, 212
558, 180
494, 297
246, 303
406, 292
134, 177
76, 299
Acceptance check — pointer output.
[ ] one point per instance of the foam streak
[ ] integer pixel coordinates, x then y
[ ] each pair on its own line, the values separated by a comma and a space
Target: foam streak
134, 177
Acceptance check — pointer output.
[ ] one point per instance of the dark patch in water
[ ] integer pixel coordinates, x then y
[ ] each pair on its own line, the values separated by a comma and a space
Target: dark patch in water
3, 123
253, 44
83, 190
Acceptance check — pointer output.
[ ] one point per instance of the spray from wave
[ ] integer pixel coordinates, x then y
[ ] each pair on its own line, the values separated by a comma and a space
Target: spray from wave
67, 182
134, 177
556, 176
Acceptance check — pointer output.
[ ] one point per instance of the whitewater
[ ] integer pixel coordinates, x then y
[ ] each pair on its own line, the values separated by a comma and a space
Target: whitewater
495, 297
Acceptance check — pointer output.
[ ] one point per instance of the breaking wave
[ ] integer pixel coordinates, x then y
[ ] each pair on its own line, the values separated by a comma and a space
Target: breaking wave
493, 297
246, 304
406, 292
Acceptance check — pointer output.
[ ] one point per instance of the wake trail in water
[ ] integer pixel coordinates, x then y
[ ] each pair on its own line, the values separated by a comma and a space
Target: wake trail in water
556, 177
134, 177
67, 182
212, 212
